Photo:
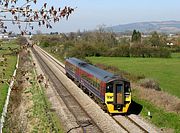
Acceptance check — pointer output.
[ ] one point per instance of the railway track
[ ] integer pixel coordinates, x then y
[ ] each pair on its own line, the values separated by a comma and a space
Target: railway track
140, 127
129, 124
84, 121
126, 122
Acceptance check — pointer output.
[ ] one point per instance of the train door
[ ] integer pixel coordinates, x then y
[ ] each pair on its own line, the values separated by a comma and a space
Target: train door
118, 93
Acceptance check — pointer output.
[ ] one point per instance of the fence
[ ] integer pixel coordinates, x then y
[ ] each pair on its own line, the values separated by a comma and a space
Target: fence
7, 98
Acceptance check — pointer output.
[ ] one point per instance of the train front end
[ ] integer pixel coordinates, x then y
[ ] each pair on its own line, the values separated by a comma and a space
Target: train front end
118, 96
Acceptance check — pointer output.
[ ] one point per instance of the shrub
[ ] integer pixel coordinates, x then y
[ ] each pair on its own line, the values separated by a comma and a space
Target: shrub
121, 51
45, 44
150, 83
139, 50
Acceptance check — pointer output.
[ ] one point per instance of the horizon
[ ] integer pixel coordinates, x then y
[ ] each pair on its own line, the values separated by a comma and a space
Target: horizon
96, 28
153, 21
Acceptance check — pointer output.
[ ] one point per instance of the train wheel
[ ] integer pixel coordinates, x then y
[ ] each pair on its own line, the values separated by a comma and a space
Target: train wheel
83, 88
91, 95
80, 86
67, 75
105, 108
77, 83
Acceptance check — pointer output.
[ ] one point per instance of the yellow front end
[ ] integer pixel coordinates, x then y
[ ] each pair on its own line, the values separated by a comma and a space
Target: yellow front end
109, 99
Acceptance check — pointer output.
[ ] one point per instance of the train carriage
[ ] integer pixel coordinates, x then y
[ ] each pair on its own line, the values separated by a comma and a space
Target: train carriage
112, 91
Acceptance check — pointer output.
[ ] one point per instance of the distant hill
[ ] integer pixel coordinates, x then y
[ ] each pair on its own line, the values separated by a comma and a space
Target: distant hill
147, 27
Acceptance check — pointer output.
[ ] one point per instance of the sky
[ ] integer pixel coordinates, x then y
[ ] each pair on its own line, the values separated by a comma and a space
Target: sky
90, 14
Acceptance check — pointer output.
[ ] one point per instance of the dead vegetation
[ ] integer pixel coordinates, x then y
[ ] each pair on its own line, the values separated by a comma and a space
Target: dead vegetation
150, 84
159, 98
40, 78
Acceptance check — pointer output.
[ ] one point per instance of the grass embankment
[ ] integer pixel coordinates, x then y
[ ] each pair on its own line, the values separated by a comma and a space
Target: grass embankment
6, 68
165, 71
46, 119
41, 108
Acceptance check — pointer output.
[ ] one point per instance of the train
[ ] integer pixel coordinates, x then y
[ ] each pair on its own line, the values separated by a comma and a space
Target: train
110, 91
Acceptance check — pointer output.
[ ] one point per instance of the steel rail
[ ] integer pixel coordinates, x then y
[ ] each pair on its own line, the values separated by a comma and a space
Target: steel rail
143, 129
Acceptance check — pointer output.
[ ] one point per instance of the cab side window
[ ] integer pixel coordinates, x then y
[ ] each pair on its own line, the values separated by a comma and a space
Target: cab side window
109, 88
127, 87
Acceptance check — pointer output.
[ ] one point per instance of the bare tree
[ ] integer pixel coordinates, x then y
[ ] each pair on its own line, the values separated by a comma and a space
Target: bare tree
24, 15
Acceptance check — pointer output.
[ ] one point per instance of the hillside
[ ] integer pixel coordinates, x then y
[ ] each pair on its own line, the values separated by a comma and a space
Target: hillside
147, 27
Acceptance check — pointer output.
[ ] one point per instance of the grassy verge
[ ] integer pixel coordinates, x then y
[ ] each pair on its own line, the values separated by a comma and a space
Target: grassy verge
7, 67
3, 94
160, 118
41, 109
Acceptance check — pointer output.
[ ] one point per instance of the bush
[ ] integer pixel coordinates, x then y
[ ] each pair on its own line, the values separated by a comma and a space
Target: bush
120, 51
45, 44
139, 50
150, 83
165, 53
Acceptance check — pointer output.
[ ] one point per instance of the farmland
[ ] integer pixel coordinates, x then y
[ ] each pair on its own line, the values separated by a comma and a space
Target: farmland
164, 70
7, 67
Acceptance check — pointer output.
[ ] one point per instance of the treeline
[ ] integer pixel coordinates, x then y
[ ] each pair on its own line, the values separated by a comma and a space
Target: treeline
101, 43
139, 50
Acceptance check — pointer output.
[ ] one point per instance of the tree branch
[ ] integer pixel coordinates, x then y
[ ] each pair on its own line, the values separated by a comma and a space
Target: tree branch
27, 15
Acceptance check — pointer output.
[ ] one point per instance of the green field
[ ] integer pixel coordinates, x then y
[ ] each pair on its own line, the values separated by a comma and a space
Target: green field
9, 68
164, 70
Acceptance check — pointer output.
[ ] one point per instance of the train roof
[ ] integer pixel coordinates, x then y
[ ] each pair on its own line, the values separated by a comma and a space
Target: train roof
97, 72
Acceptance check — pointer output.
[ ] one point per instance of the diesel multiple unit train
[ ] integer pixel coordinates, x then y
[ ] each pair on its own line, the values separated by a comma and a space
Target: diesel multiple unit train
111, 91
